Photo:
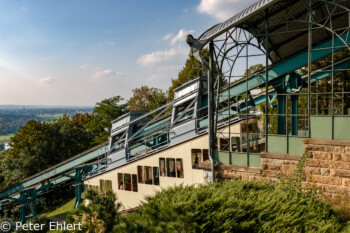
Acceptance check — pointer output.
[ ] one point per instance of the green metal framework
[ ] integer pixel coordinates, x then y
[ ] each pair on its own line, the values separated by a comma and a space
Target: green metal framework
26, 193
302, 81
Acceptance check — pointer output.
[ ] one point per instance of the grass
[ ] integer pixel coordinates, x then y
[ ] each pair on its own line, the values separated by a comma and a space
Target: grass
5, 138
49, 117
63, 209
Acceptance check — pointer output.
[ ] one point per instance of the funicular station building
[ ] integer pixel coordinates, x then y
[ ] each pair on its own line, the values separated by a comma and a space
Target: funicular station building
278, 77
278, 73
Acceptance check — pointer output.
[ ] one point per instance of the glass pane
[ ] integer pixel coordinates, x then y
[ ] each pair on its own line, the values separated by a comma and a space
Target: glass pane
148, 175
205, 155
108, 185
179, 167
162, 167
120, 181
171, 167
235, 143
134, 183
102, 186
156, 175
196, 157
127, 182
224, 144
140, 174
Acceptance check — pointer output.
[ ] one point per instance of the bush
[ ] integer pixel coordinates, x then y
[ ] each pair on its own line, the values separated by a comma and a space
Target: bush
235, 206
99, 215
37, 220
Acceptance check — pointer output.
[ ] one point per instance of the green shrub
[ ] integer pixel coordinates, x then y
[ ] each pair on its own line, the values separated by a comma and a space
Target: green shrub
38, 220
99, 215
235, 206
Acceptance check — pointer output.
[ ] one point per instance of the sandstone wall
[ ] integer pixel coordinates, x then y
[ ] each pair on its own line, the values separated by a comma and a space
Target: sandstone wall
327, 166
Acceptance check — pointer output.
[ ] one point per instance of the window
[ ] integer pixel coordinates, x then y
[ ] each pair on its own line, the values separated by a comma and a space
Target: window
162, 167
127, 182
171, 167
120, 182
205, 155
179, 168
109, 185
162, 139
140, 174
252, 133
235, 144
102, 187
118, 138
179, 111
134, 182
224, 144
156, 175
105, 186
148, 175
196, 157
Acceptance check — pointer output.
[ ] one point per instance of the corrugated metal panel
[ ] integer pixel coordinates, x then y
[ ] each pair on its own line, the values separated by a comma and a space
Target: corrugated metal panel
284, 15
231, 22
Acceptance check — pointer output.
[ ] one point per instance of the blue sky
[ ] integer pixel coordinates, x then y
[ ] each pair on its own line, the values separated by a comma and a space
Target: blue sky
78, 52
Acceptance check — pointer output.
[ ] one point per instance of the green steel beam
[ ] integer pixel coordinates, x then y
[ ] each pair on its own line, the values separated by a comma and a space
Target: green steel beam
55, 171
283, 68
79, 187
294, 82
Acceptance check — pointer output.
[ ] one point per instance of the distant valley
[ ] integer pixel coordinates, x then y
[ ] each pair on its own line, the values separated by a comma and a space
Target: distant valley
12, 117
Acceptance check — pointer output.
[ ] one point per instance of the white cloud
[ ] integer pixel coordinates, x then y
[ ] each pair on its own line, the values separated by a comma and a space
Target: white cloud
223, 9
166, 64
165, 72
167, 37
107, 74
162, 56
181, 35
176, 50
46, 80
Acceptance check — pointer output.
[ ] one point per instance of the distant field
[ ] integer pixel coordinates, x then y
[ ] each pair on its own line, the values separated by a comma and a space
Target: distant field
49, 117
5, 138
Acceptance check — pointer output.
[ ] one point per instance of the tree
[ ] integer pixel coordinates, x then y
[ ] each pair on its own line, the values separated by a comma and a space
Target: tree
146, 99
39, 145
192, 70
254, 69
99, 215
103, 114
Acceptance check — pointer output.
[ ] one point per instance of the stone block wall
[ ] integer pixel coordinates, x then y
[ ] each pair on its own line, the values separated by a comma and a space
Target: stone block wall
327, 166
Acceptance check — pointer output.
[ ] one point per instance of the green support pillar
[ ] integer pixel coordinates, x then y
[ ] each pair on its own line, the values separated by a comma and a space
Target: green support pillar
281, 111
281, 106
22, 213
294, 114
27, 199
31, 200
294, 84
79, 187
